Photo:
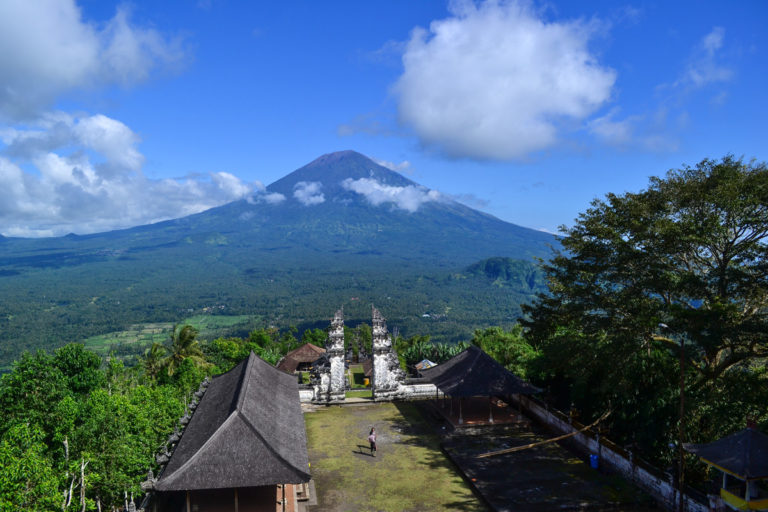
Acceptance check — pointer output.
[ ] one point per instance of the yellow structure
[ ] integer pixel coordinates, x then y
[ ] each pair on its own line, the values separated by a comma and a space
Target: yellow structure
743, 459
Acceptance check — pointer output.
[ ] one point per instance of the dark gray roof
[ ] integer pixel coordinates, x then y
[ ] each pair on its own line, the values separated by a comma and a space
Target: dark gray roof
247, 431
475, 373
744, 454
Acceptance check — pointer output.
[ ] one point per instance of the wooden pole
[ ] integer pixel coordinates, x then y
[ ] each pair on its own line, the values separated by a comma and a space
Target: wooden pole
490, 409
237, 505
189, 505
539, 443
461, 418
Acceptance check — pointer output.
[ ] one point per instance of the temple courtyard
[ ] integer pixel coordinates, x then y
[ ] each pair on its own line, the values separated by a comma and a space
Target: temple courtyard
422, 464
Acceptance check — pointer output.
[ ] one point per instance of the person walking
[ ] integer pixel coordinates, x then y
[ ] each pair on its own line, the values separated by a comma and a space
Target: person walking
372, 440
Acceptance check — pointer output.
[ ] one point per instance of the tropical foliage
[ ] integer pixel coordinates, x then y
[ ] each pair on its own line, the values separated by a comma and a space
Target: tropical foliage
651, 284
78, 432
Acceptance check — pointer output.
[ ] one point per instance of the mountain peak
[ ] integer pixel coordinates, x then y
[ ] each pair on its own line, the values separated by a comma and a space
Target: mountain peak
335, 157
332, 169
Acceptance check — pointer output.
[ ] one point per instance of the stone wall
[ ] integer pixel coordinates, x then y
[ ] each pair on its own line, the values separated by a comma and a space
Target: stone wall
645, 476
418, 391
306, 395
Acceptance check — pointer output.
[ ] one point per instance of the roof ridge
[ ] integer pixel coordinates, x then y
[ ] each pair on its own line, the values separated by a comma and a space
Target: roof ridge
471, 364
242, 389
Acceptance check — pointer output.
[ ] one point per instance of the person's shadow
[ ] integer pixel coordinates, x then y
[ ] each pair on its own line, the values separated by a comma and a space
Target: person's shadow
362, 447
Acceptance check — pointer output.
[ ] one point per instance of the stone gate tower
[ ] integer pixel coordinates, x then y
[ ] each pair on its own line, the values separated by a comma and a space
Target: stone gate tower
387, 374
334, 349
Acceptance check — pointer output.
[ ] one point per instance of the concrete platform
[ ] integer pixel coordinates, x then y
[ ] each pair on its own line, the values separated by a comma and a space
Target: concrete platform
544, 478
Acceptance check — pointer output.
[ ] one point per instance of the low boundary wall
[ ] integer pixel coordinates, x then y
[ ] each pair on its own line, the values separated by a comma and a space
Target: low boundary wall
645, 476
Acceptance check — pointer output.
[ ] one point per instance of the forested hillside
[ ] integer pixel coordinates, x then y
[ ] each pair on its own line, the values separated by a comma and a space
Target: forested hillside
286, 262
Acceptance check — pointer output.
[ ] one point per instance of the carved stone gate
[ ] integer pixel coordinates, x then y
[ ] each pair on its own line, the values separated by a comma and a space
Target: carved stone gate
329, 383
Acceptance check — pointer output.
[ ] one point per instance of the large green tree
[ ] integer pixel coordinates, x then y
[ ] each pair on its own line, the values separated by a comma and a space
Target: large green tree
509, 348
689, 252
27, 478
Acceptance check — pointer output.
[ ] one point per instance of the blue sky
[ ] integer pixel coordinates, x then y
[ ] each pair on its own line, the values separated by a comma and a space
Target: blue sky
118, 114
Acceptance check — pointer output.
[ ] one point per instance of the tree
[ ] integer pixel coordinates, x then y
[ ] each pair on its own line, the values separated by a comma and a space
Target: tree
184, 345
508, 348
690, 251
81, 367
153, 360
27, 478
315, 336
30, 392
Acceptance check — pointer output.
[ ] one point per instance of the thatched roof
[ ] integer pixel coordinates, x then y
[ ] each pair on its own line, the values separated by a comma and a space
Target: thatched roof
247, 431
307, 353
744, 454
475, 373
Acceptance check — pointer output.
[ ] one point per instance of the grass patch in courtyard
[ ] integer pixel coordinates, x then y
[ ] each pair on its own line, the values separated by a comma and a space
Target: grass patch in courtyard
409, 473
357, 379
364, 393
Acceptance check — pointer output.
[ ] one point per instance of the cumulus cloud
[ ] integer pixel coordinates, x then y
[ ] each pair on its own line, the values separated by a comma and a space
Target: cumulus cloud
496, 80
408, 198
308, 192
83, 175
47, 49
273, 198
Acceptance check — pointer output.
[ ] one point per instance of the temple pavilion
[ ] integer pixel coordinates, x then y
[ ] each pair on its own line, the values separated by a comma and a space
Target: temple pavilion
244, 448
472, 374
743, 460
301, 359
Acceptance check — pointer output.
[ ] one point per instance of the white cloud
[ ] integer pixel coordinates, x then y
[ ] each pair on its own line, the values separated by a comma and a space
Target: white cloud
47, 49
655, 133
615, 132
408, 198
308, 192
273, 198
111, 138
495, 80
704, 66
403, 167
83, 175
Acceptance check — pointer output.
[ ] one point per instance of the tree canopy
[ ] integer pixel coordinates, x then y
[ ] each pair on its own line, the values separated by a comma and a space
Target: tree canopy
688, 252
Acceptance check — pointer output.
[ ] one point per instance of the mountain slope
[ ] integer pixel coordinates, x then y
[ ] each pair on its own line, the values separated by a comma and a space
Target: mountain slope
338, 229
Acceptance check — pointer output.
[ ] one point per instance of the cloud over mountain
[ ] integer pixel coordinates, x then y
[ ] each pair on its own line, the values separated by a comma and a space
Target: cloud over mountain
84, 174
308, 192
408, 198
62, 172
496, 80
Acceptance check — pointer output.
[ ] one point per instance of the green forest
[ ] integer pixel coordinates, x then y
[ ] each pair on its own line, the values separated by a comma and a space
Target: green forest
655, 309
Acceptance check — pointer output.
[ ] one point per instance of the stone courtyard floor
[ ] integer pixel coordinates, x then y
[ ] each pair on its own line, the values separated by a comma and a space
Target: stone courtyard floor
421, 466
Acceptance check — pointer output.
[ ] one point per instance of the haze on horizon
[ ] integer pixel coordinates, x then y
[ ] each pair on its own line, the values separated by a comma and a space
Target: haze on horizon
119, 114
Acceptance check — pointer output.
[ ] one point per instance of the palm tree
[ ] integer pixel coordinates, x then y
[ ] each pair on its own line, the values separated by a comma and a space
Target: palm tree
153, 360
184, 345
